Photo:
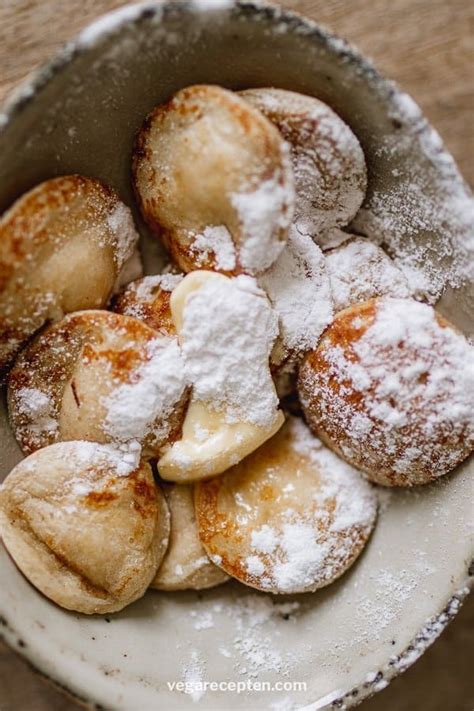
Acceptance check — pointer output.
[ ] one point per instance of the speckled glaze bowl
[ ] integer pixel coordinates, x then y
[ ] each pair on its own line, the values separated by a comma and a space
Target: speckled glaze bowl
79, 114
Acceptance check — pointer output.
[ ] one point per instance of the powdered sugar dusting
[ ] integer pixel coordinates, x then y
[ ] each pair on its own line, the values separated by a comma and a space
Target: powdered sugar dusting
123, 459
263, 213
298, 287
169, 281
360, 270
228, 332
39, 409
193, 674
145, 287
215, 241
252, 647
120, 222
355, 500
141, 407
304, 556
204, 621
263, 540
423, 213
330, 177
139, 297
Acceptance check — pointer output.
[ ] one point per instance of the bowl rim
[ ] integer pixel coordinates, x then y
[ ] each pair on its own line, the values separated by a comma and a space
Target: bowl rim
92, 35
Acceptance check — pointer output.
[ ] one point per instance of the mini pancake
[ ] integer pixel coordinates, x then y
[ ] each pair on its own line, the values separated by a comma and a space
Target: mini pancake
213, 179
328, 161
84, 530
390, 388
62, 247
101, 377
186, 565
148, 300
289, 518
360, 270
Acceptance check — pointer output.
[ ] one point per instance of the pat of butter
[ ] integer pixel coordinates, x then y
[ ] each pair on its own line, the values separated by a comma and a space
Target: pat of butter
209, 445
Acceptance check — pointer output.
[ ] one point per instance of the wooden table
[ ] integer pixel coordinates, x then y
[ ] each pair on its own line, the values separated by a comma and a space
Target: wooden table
426, 45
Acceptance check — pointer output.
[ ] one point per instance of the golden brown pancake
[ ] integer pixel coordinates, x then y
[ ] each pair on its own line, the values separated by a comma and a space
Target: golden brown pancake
213, 179
85, 531
289, 518
328, 161
186, 565
390, 388
101, 377
62, 246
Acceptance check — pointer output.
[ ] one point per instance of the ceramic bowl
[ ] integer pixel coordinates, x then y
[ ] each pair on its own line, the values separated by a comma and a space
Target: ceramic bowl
79, 114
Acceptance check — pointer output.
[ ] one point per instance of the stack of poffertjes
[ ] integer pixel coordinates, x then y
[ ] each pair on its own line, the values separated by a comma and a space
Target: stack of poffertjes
155, 410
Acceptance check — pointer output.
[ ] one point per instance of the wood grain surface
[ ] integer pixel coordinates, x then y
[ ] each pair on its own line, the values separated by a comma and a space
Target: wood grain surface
425, 45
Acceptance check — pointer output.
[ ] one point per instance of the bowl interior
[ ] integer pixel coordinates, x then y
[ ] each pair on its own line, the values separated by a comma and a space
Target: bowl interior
80, 115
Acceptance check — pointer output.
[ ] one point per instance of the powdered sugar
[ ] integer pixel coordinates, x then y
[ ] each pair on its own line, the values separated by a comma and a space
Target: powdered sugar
255, 616
124, 458
142, 406
421, 210
120, 222
215, 241
254, 566
140, 296
263, 213
38, 408
330, 177
228, 332
355, 502
193, 673
304, 556
298, 287
360, 270
81, 456
253, 645
407, 228
263, 540
169, 281
146, 287
80, 487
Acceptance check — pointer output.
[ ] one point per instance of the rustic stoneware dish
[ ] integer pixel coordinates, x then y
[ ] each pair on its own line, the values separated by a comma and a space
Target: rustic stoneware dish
79, 114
